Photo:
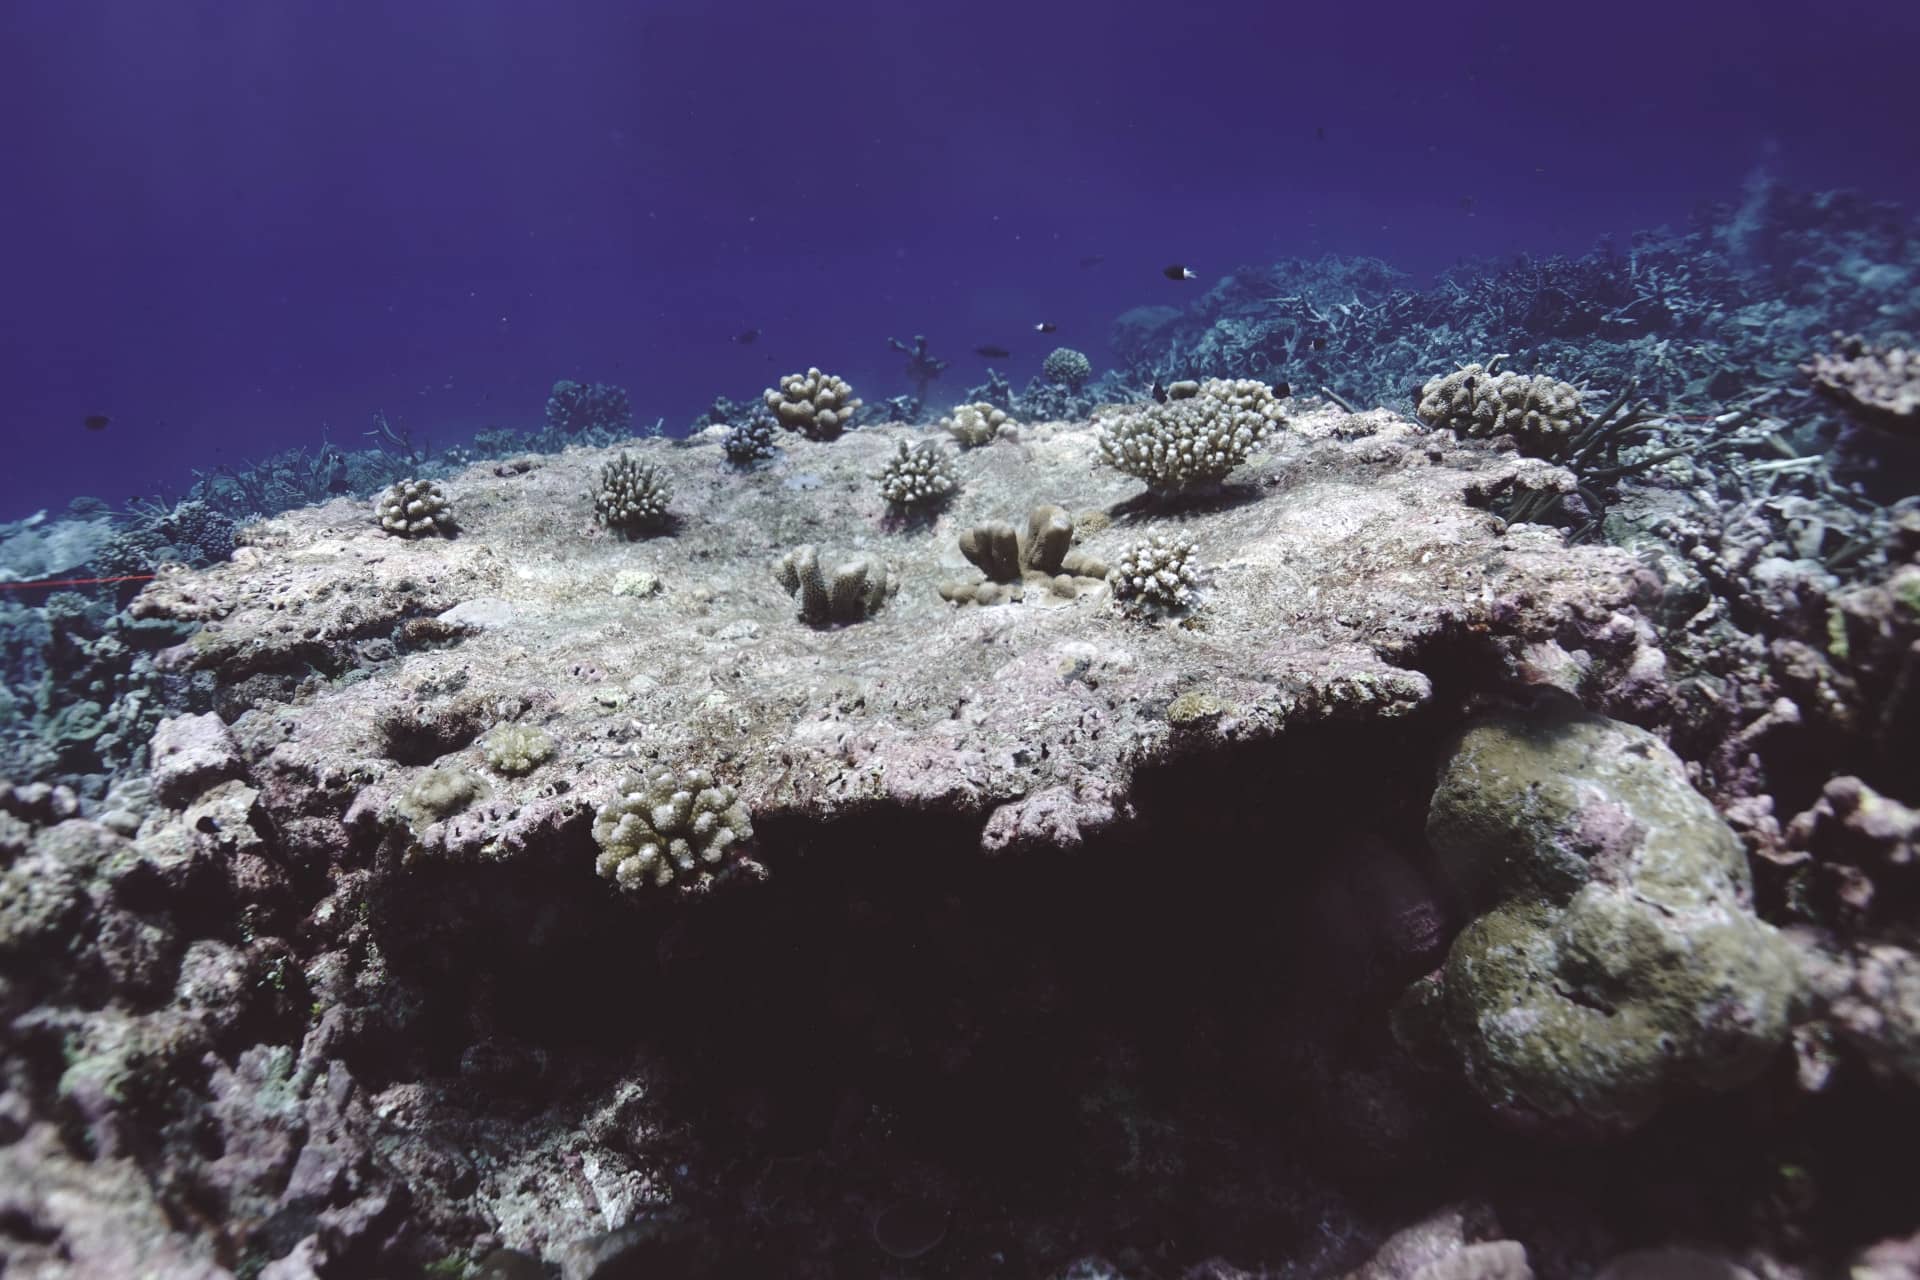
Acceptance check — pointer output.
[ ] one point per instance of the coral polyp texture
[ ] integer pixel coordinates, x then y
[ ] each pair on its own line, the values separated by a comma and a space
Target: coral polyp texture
1615, 959
632, 495
1156, 576
973, 425
847, 591
918, 476
517, 748
1067, 368
1190, 443
1879, 385
669, 828
1540, 413
1041, 554
817, 405
414, 509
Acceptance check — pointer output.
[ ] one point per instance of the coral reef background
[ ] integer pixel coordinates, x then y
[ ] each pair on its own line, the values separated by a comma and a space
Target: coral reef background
631, 646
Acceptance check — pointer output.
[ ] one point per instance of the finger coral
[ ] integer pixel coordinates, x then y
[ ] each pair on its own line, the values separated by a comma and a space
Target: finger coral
919, 475
667, 828
1539, 412
1193, 442
972, 425
632, 495
851, 591
1043, 553
817, 405
749, 442
414, 509
1156, 576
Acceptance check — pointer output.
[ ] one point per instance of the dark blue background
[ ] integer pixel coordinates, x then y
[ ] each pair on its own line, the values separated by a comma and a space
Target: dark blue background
231, 225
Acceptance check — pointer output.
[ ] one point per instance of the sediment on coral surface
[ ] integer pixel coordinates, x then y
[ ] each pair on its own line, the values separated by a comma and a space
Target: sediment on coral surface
1058, 925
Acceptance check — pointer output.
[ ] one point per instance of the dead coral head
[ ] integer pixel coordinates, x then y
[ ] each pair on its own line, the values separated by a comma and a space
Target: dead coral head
973, 425
1155, 577
1878, 385
632, 495
414, 509
848, 592
1194, 441
920, 476
818, 405
1540, 413
669, 828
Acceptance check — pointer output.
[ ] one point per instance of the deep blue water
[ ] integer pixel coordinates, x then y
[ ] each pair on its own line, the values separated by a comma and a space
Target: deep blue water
231, 226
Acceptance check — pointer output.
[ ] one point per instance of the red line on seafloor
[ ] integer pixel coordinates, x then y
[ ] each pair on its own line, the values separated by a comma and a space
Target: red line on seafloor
78, 582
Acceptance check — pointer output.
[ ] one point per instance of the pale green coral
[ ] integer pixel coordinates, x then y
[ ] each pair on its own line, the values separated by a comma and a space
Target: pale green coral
1615, 958
669, 829
517, 748
437, 794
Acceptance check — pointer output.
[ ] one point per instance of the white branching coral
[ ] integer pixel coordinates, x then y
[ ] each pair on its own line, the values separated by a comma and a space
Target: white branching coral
816, 404
918, 476
973, 425
1540, 413
632, 495
669, 828
1157, 576
414, 509
1193, 441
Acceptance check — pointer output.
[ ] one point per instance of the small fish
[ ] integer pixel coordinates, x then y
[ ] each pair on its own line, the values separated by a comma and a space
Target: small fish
1282, 390
1320, 133
1178, 272
1159, 392
97, 421
1319, 344
748, 338
1093, 260
1046, 326
1466, 203
991, 352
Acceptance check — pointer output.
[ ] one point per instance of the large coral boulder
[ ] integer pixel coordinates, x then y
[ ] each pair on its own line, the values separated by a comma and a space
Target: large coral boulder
1614, 958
